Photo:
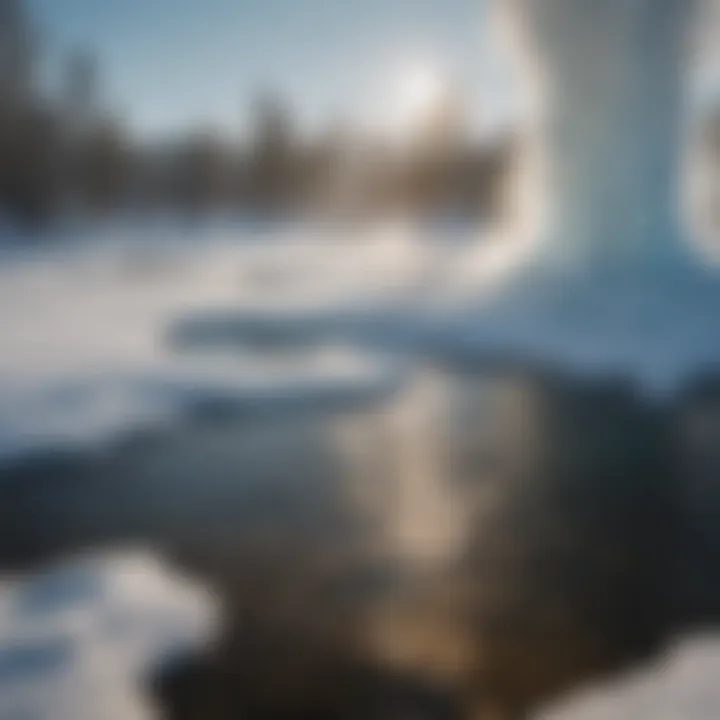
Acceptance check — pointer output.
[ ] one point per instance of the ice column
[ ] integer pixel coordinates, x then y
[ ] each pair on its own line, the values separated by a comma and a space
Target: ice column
610, 75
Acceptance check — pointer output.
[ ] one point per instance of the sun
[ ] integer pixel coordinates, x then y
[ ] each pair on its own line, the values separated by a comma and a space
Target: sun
418, 90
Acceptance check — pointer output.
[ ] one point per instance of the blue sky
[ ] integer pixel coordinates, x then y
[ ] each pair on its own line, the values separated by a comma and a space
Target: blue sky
169, 64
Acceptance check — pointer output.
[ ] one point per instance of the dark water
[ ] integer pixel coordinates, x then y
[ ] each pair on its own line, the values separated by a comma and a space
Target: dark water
493, 536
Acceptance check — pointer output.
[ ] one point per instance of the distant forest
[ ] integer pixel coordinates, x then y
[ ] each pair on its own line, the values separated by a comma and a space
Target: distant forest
62, 153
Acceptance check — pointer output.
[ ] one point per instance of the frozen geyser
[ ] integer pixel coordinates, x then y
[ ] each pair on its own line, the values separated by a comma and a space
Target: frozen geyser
610, 75
611, 280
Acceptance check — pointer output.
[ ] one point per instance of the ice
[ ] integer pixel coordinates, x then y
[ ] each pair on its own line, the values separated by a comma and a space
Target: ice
86, 323
77, 639
682, 685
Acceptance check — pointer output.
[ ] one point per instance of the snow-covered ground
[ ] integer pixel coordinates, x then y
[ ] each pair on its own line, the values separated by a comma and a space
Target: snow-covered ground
85, 325
684, 686
77, 641
132, 325
99, 336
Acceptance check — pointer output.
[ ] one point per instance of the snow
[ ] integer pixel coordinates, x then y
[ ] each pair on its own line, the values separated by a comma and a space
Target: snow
85, 325
681, 687
133, 327
77, 639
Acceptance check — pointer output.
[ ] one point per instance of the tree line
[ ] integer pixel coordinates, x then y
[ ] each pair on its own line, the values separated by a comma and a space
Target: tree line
63, 153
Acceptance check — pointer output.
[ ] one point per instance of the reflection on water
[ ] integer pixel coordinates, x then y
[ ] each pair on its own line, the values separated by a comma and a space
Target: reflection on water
488, 536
